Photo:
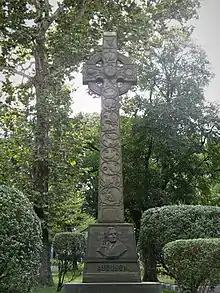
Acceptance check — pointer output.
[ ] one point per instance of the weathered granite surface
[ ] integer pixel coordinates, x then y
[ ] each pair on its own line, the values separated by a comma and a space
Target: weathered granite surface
112, 288
111, 254
110, 74
111, 251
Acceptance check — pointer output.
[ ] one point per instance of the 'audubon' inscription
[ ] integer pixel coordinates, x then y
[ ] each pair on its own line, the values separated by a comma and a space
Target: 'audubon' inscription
112, 268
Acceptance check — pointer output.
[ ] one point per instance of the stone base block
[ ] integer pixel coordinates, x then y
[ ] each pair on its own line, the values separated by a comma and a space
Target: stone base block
111, 254
149, 287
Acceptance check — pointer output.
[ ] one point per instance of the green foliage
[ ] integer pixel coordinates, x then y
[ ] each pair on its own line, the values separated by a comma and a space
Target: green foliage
194, 262
88, 185
45, 290
169, 223
164, 224
67, 169
20, 242
170, 134
214, 197
69, 245
15, 148
69, 248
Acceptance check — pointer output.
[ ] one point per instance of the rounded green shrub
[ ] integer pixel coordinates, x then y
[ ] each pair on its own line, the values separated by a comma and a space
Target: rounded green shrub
169, 223
194, 262
165, 224
69, 248
69, 245
20, 242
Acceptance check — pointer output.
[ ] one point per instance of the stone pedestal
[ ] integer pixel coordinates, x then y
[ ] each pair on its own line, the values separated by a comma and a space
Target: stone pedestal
113, 288
111, 254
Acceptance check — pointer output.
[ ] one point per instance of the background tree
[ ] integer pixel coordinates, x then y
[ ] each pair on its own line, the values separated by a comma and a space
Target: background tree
170, 130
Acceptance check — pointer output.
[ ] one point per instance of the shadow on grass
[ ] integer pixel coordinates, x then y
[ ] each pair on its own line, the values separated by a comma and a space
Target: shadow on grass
45, 290
161, 278
53, 289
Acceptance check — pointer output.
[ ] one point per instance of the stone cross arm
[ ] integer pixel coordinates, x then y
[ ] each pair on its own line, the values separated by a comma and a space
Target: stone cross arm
109, 65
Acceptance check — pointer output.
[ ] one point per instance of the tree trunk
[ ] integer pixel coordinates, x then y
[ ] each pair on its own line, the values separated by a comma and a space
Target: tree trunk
136, 218
45, 270
194, 290
41, 160
150, 267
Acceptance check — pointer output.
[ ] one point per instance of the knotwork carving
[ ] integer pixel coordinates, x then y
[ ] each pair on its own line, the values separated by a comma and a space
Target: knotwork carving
103, 73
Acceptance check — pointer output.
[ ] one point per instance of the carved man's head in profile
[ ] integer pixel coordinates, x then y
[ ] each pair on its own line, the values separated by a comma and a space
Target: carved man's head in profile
112, 235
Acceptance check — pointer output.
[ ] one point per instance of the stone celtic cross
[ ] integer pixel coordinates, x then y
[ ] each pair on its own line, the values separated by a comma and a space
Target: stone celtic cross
110, 74
111, 261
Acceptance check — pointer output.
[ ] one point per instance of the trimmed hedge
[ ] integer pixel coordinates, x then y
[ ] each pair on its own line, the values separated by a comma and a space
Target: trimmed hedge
69, 248
20, 242
194, 262
69, 245
165, 224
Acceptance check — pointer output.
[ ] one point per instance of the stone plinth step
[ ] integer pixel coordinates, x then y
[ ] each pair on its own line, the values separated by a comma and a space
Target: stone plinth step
148, 287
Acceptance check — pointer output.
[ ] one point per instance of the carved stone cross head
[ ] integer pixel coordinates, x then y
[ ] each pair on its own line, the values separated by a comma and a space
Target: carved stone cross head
109, 67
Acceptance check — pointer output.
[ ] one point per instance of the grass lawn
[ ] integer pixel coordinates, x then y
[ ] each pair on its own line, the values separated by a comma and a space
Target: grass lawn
164, 279
53, 290
45, 290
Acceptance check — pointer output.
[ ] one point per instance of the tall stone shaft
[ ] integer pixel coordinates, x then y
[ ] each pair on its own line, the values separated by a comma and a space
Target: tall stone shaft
110, 200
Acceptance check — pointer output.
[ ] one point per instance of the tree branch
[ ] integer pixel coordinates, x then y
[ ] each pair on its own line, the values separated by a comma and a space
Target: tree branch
162, 262
3, 276
151, 90
18, 72
36, 3
162, 93
149, 152
81, 12
29, 66
14, 71
47, 22
48, 7
92, 147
